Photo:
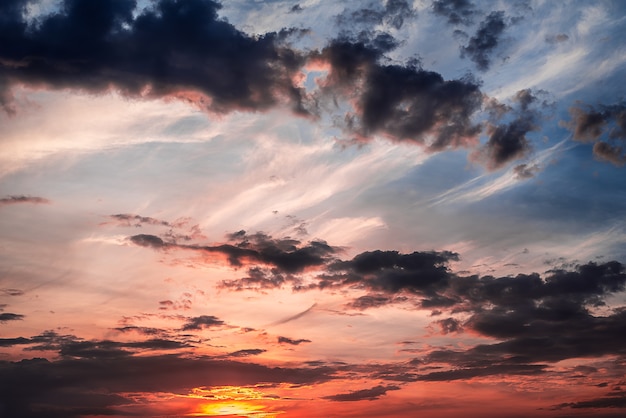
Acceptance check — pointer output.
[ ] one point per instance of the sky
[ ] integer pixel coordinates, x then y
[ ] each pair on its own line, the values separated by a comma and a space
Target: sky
312, 208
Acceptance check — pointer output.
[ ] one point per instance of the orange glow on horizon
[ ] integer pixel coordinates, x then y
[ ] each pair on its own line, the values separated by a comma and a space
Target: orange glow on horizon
231, 401
233, 409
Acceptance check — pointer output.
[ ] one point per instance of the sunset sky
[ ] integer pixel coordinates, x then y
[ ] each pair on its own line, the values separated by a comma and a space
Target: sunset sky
281, 208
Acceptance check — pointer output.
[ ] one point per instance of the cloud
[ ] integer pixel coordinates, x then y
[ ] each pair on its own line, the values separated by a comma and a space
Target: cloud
605, 126
611, 153
589, 123
13, 200
127, 219
246, 353
400, 102
485, 40
616, 399
285, 340
363, 394
391, 272
6, 316
72, 346
33, 388
12, 292
258, 279
201, 322
296, 316
457, 12
469, 373
557, 39
449, 325
160, 51
526, 171
393, 13
140, 330
146, 240
508, 141
10, 342
287, 255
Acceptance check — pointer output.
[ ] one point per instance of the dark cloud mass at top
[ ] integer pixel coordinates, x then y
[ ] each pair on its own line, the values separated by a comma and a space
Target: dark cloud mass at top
182, 49
176, 48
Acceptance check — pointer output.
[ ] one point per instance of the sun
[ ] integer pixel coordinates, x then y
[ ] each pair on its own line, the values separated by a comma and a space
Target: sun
233, 409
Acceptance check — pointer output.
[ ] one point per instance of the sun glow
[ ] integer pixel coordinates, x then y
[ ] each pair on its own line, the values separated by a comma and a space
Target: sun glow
235, 408
232, 401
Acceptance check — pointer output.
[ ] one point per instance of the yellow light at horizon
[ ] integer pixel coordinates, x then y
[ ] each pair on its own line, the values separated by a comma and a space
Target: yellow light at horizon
235, 409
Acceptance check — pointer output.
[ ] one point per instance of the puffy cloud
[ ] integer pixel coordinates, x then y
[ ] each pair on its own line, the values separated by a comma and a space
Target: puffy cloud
173, 49
605, 126
508, 141
485, 40
287, 255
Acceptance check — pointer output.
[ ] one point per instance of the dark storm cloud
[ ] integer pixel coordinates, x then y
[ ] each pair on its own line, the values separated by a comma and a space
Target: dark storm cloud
458, 12
392, 272
605, 126
183, 49
363, 394
401, 102
535, 319
39, 388
12, 200
175, 48
285, 340
287, 255
6, 316
201, 322
485, 40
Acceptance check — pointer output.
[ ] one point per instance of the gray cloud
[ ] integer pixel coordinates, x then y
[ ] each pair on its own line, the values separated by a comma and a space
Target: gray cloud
17, 199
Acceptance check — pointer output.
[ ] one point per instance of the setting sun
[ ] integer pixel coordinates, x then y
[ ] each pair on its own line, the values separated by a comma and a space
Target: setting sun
237, 409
